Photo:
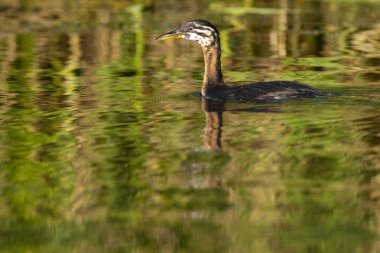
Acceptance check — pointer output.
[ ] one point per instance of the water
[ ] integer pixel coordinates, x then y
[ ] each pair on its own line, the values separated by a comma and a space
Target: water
103, 147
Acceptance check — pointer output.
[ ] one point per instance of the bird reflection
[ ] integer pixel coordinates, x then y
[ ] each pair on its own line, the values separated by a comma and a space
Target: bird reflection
213, 129
214, 109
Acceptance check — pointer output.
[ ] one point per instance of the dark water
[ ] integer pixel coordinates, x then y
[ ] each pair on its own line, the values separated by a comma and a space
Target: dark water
104, 149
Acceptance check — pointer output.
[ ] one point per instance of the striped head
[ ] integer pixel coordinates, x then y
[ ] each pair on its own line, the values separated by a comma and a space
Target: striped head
200, 31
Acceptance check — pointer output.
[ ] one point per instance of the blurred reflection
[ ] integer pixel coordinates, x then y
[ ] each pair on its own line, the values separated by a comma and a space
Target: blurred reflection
213, 110
213, 130
90, 163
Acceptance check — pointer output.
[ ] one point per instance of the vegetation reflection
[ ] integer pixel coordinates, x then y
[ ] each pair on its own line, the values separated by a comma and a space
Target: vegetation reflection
100, 153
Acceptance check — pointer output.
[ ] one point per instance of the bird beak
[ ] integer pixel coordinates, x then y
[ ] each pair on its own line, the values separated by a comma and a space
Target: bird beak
170, 35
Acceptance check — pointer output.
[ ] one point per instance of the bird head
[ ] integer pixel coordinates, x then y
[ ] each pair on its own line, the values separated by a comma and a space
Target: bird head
200, 31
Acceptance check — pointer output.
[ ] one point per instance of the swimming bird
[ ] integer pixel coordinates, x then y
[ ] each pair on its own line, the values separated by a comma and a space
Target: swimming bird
214, 87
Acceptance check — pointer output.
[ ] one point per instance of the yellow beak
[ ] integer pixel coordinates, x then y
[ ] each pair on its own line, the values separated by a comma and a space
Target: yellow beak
170, 35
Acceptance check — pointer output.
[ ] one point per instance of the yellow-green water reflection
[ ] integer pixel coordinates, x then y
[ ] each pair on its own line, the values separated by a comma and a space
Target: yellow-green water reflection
104, 149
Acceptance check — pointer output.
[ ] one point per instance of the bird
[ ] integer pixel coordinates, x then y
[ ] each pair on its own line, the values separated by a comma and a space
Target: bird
214, 87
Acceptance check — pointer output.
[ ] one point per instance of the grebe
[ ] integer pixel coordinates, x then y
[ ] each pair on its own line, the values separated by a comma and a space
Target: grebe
214, 86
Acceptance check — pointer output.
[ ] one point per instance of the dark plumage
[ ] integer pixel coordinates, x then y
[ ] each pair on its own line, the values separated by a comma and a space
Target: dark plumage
214, 86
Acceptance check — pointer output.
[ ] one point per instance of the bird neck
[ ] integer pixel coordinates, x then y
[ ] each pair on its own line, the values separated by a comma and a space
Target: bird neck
213, 78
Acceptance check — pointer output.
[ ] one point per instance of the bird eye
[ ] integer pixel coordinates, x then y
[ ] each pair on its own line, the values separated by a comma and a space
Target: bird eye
191, 28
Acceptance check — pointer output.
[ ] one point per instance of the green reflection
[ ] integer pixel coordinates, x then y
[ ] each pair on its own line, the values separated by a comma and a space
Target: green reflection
96, 157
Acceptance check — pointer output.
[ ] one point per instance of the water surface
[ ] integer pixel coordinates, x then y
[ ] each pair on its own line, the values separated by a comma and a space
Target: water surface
104, 147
